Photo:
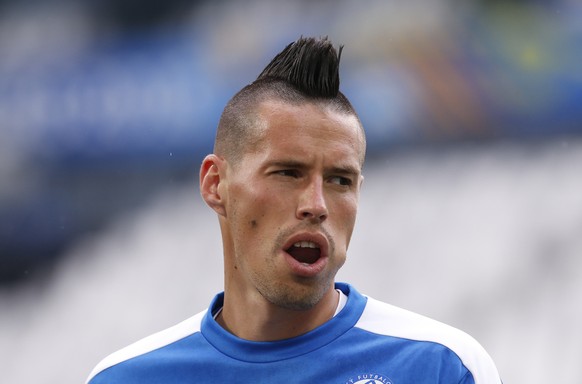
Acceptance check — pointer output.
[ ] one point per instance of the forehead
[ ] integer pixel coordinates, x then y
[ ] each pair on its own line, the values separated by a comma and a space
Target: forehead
309, 127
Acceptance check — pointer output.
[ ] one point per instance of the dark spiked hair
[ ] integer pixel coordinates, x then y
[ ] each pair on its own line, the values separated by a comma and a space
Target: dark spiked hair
311, 65
307, 70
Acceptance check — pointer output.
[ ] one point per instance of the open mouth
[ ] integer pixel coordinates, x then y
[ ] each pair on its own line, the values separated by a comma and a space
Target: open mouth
306, 252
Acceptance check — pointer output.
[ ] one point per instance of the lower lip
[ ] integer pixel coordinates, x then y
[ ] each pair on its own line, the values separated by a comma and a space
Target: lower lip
305, 270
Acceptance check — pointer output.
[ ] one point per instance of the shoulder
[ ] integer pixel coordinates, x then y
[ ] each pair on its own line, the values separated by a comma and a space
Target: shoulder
151, 343
385, 319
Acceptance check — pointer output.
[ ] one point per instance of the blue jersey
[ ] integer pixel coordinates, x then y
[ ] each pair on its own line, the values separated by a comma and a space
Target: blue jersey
367, 342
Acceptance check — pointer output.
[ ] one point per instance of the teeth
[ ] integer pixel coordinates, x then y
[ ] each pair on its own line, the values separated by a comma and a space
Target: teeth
305, 244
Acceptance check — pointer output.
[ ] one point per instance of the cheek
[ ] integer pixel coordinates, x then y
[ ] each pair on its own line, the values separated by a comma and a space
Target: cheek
256, 215
268, 205
346, 218
249, 211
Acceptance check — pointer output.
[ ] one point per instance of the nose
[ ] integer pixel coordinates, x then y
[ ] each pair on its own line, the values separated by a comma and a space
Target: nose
312, 204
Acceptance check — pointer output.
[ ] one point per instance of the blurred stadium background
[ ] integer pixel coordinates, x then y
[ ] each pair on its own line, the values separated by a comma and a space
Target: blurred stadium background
471, 211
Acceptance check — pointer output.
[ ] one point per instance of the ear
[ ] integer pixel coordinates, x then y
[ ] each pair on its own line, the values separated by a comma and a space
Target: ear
212, 173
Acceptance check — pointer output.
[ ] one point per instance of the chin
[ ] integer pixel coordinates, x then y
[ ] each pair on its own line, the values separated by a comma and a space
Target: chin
297, 298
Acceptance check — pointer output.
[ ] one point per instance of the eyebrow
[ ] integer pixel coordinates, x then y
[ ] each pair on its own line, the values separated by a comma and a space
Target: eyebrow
344, 169
286, 164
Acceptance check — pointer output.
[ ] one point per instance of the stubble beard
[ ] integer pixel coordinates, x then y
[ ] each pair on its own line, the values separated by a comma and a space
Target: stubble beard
301, 293
298, 295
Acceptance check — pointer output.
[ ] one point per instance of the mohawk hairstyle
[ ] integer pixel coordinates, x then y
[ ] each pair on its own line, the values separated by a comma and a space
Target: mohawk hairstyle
307, 70
311, 65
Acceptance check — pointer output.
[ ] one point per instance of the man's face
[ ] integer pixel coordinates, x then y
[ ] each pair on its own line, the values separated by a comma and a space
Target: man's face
291, 202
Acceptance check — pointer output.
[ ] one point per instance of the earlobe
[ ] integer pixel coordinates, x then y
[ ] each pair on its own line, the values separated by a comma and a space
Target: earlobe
211, 172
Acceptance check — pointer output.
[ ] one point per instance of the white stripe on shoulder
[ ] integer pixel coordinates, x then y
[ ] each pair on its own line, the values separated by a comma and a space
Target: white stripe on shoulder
150, 343
386, 319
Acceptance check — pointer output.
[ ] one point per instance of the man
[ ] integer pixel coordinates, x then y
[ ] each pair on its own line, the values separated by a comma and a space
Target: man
284, 181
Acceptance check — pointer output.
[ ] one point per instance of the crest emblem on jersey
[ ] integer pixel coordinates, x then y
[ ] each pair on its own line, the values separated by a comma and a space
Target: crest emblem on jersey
369, 378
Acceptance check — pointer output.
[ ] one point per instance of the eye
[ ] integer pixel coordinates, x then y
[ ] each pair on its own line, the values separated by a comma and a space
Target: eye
340, 180
287, 172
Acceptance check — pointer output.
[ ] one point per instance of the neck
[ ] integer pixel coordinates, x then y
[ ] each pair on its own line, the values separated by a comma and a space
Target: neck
260, 320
